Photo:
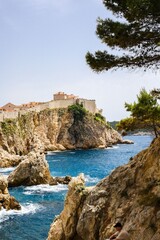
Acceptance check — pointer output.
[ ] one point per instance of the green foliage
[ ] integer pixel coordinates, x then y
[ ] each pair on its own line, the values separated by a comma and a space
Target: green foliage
78, 111
61, 112
136, 33
99, 118
127, 124
113, 124
8, 127
146, 109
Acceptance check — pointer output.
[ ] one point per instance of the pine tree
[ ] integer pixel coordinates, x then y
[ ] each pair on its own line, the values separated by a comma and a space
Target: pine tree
135, 34
146, 110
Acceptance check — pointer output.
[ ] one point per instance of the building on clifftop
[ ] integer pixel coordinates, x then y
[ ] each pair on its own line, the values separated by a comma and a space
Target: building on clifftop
60, 100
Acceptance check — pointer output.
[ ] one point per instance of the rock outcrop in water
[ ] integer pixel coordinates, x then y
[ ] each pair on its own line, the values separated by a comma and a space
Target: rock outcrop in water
49, 130
131, 194
32, 171
6, 200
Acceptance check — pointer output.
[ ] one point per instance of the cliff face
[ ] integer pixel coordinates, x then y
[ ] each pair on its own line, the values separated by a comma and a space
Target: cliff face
131, 194
51, 130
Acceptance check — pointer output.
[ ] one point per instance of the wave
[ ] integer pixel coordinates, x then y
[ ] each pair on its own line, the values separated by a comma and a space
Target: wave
90, 179
53, 152
52, 160
44, 188
114, 147
6, 170
28, 208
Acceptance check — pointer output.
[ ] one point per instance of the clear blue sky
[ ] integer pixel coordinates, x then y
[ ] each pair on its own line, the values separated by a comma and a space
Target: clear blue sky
42, 50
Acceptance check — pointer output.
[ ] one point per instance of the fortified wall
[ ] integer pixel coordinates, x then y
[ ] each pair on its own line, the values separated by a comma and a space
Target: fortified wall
60, 100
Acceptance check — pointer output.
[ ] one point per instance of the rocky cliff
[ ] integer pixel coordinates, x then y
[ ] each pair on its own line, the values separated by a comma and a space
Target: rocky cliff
131, 194
51, 129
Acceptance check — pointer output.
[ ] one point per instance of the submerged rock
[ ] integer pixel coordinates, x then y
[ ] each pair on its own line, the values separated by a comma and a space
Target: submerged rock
127, 141
61, 180
6, 201
131, 195
32, 171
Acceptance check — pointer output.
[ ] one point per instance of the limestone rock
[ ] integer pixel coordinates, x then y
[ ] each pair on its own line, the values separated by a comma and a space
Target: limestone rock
50, 130
64, 226
8, 160
61, 180
131, 195
32, 171
6, 201
127, 141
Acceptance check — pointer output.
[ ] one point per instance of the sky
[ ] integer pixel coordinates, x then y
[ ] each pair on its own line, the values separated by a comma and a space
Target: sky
43, 44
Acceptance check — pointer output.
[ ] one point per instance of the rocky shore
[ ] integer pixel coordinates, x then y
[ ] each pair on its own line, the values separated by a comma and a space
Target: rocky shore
131, 195
6, 200
51, 130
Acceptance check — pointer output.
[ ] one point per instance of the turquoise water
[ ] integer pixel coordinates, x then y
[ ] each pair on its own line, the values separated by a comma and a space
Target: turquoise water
41, 203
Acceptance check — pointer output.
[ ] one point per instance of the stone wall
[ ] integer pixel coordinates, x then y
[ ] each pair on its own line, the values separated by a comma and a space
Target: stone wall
61, 103
8, 115
1, 116
90, 105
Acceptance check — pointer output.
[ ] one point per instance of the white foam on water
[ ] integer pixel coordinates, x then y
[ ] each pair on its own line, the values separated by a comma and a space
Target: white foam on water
90, 179
44, 188
28, 208
53, 160
6, 170
114, 147
53, 152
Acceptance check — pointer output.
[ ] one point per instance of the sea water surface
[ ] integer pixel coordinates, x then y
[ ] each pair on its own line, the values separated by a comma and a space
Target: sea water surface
40, 204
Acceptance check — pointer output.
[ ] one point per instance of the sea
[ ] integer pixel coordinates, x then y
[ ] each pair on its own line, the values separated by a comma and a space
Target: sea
40, 204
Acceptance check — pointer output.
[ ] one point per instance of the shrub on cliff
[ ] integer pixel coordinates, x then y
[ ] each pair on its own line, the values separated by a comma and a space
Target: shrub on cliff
98, 117
8, 127
78, 111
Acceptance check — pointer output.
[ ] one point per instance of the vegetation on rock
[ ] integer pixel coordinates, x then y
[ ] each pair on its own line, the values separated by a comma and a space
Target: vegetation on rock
52, 129
8, 127
98, 117
78, 111
144, 112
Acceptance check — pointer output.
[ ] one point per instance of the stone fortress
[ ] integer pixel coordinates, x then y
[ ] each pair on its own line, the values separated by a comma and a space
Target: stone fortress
60, 100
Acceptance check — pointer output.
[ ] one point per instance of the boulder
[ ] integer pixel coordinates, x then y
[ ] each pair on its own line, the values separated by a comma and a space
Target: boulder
6, 201
126, 141
32, 171
61, 180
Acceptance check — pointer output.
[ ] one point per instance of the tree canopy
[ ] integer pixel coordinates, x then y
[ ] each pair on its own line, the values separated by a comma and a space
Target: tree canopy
135, 34
146, 110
